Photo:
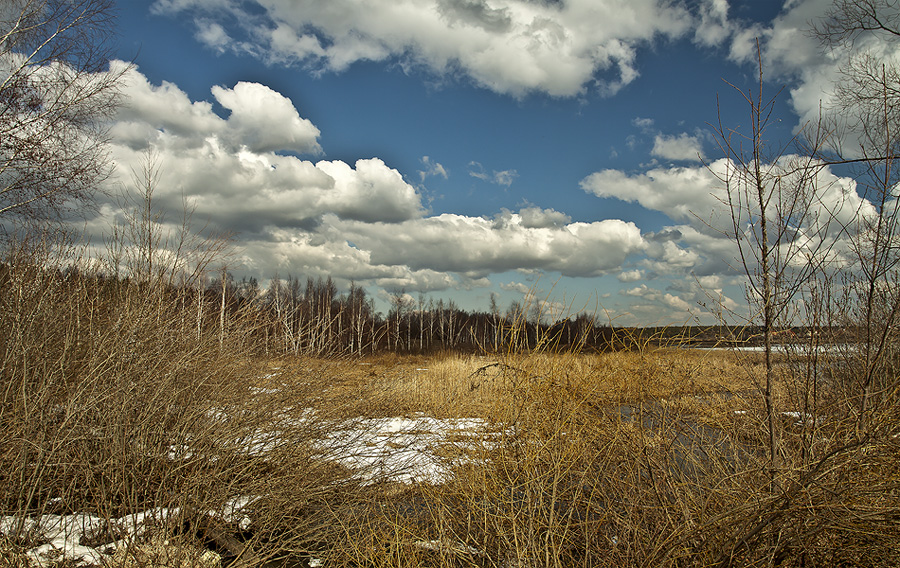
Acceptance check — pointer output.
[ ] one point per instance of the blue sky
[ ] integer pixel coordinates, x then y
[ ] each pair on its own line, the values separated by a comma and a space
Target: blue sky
459, 148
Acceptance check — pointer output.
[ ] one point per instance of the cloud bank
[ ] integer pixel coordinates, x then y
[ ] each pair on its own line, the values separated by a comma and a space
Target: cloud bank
513, 47
699, 255
246, 174
258, 168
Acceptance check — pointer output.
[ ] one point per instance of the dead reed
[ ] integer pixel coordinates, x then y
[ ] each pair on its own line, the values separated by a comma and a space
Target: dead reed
121, 402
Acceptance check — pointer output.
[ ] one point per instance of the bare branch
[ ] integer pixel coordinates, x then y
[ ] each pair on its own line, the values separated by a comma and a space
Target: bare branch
56, 93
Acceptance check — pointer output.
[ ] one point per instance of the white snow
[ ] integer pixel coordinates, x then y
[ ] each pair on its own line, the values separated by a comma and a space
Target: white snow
61, 535
401, 449
232, 511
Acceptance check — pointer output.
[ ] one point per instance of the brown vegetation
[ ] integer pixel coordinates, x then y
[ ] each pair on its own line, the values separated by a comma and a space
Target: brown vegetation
653, 457
165, 417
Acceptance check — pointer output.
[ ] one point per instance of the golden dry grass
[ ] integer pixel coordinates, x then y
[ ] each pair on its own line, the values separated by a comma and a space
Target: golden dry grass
569, 477
480, 386
592, 459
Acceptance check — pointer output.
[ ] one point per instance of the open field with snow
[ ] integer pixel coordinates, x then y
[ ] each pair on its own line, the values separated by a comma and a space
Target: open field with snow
451, 460
144, 425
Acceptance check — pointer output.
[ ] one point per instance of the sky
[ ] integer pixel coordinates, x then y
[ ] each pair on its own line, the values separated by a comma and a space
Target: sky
459, 149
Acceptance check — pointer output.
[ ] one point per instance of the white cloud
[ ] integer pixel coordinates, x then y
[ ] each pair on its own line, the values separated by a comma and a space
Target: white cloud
701, 252
537, 218
260, 118
503, 177
213, 35
370, 192
644, 124
674, 256
697, 194
793, 55
447, 251
246, 192
229, 171
680, 193
531, 218
475, 246
432, 169
266, 121
714, 27
516, 287
630, 276
163, 106
359, 221
681, 148
639, 291
509, 46
667, 306
701, 246
787, 44
676, 303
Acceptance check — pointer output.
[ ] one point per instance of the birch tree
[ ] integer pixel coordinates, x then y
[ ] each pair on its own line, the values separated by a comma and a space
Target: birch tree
56, 94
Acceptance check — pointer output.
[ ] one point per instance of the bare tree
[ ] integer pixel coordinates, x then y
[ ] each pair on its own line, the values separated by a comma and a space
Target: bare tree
783, 230
866, 109
833, 266
55, 96
847, 20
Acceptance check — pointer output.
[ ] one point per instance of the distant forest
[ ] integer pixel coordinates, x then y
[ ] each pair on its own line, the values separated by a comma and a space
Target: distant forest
311, 317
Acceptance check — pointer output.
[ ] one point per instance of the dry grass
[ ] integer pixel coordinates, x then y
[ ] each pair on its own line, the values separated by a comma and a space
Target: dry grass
158, 553
114, 404
640, 459
463, 385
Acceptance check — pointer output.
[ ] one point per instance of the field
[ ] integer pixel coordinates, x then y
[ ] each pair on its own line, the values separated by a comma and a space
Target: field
653, 457
144, 424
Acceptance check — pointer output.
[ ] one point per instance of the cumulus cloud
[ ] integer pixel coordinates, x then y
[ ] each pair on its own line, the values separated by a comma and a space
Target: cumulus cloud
364, 222
630, 276
260, 118
537, 218
516, 287
673, 302
359, 221
370, 192
446, 251
714, 27
703, 252
792, 55
703, 247
786, 43
509, 46
475, 246
531, 218
681, 148
681, 192
477, 13
698, 194
165, 107
230, 169
266, 121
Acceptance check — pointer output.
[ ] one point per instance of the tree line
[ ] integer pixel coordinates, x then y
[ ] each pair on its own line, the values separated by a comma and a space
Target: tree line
296, 316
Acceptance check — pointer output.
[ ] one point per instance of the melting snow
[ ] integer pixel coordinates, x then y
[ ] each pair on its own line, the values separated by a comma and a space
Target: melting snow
399, 449
402, 449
